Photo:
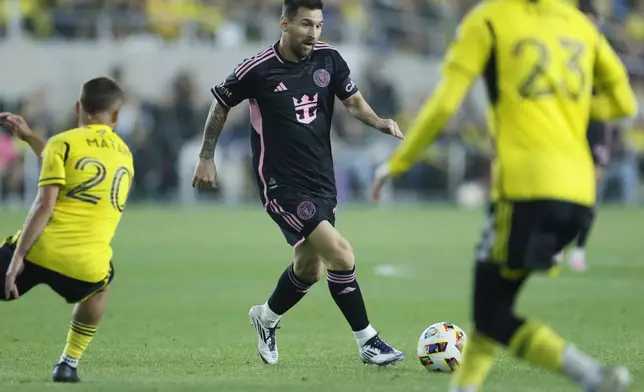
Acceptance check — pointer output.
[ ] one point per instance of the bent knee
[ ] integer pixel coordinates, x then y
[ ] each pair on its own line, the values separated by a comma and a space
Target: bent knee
307, 264
309, 270
499, 324
340, 255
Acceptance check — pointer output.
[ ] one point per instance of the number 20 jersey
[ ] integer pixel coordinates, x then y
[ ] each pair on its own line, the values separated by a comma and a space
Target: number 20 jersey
540, 61
94, 169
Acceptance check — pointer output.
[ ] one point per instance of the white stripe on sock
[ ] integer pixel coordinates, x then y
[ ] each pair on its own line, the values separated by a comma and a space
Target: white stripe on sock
73, 362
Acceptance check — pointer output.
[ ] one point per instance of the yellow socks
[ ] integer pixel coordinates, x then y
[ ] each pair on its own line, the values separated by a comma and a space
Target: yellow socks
477, 362
78, 338
539, 345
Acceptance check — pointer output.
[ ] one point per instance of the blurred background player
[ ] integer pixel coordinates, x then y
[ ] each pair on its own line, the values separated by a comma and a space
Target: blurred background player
597, 140
292, 86
540, 60
65, 241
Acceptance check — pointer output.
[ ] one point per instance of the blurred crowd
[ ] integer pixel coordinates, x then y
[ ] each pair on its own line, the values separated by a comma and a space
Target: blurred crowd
399, 23
165, 133
423, 26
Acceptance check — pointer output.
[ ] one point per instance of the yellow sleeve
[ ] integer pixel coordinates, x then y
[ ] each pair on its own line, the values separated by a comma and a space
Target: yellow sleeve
53, 163
615, 97
464, 62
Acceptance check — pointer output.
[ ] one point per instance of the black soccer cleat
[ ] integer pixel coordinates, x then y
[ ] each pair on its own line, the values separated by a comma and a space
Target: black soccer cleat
65, 373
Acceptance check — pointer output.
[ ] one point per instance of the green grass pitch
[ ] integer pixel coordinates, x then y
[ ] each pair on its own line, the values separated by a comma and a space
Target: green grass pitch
185, 279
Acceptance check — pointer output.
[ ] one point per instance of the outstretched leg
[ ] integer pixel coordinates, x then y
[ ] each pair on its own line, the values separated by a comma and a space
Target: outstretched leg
521, 237
338, 256
496, 323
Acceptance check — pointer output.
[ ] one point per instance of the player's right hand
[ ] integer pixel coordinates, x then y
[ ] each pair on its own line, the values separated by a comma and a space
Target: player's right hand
15, 268
205, 174
18, 125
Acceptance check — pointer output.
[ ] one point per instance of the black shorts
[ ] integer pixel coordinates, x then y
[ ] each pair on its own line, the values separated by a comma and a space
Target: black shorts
72, 290
298, 214
525, 235
596, 136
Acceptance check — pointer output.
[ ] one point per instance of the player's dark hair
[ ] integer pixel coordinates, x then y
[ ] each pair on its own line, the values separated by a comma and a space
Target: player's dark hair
100, 94
290, 8
587, 7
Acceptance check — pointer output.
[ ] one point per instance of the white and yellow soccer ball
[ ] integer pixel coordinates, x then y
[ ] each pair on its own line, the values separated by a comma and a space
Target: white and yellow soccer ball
440, 347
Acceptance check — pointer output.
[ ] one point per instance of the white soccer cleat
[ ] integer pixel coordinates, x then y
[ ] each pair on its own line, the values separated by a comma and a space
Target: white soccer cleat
559, 257
614, 379
377, 352
578, 260
466, 389
266, 341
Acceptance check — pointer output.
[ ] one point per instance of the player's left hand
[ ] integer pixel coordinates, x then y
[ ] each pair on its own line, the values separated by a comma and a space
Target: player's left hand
390, 127
18, 125
381, 177
15, 268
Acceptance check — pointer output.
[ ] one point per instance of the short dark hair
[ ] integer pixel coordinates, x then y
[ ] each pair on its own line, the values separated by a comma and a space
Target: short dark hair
290, 8
587, 7
100, 94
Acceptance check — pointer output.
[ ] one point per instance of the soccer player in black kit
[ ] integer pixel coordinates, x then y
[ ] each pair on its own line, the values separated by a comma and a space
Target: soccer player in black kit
291, 87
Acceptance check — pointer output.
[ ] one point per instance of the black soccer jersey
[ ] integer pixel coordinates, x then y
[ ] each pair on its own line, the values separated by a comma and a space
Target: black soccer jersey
291, 107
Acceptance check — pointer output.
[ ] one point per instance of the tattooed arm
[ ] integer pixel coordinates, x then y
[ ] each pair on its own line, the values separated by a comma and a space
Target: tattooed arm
214, 125
205, 175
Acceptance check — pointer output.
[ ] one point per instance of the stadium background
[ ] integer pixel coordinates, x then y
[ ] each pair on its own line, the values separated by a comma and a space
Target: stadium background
188, 271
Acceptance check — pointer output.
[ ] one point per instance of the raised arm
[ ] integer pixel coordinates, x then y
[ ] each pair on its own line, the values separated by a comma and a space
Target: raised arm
358, 107
22, 131
464, 62
347, 91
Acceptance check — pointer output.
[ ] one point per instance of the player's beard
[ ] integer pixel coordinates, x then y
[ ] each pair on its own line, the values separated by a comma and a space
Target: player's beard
304, 49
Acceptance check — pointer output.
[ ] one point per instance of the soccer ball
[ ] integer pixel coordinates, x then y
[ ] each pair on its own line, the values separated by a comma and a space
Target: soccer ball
440, 347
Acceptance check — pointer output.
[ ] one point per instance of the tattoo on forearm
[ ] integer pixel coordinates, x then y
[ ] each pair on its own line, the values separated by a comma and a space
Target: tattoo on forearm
214, 125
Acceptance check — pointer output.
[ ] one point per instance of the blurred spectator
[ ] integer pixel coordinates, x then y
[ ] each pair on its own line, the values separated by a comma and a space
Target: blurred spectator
178, 119
623, 172
11, 172
8, 151
358, 148
397, 23
164, 133
36, 109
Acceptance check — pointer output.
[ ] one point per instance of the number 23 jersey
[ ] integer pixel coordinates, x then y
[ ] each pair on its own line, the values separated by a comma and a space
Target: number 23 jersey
94, 169
540, 61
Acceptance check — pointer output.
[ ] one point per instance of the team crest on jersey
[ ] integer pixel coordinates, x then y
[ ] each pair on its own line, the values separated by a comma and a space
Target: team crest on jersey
306, 210
321, 77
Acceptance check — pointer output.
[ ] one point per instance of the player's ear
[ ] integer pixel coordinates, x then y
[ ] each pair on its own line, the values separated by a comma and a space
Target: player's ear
115, 117
284, 23
78, 107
